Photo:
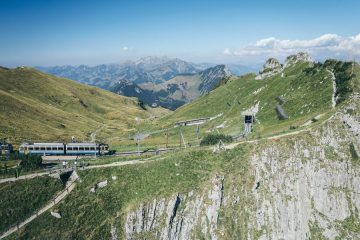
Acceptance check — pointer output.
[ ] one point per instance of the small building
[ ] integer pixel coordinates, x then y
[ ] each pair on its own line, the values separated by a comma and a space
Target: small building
191, 122
249, 119
5, 148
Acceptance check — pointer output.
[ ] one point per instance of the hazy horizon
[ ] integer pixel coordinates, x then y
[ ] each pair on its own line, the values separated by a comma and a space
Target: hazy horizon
48, 33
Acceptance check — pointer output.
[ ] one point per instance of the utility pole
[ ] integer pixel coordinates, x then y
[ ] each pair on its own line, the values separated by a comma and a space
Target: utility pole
137, 135
180, 136
198, 133
167, 137
138, 142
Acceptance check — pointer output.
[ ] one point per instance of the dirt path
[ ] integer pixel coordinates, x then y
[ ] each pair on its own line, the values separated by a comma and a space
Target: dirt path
70, 185
123, 163
23, 177
114, 164
233, 145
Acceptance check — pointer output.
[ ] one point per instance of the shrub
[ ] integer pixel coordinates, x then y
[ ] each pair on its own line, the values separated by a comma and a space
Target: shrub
314, 120
212, 139
30, 162
354, 155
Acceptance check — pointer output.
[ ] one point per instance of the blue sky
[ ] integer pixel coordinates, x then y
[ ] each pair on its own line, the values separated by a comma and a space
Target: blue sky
94, 32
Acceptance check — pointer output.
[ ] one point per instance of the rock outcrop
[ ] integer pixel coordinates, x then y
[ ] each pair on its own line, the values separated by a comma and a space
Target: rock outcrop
270, 68
299, 57
179, 216
273, 67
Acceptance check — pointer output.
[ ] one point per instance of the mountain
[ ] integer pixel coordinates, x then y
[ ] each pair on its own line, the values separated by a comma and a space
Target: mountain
303, 91
289, 178
176, 91
42, 107
148, 69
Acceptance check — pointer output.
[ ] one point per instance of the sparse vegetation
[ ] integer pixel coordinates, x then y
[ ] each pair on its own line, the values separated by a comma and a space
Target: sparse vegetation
212, 139
354, 154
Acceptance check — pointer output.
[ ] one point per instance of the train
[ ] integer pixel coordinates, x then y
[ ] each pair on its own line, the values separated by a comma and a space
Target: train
64, 149
5, 148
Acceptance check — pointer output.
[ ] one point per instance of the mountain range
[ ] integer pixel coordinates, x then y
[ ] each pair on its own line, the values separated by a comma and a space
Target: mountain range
149, 75
177, 91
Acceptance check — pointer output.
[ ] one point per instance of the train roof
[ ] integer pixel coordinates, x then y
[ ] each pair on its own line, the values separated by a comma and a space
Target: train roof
43, 144
82, 144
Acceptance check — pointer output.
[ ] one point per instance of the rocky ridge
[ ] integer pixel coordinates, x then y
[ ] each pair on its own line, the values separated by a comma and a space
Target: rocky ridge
273, 67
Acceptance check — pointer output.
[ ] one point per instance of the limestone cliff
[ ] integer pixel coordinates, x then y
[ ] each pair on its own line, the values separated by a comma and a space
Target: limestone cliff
301, 187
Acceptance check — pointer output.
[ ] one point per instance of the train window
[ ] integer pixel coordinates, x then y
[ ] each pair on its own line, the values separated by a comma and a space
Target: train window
92, 148
48, 148
60, 148
81, 148
36, 148
87, 148
70, 148
42, 148
30, 148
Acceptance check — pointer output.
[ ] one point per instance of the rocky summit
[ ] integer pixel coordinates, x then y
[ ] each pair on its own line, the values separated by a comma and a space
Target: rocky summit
270, 68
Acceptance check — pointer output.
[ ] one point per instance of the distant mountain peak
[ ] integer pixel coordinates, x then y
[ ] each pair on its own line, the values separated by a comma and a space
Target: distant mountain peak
211, 77
152, 60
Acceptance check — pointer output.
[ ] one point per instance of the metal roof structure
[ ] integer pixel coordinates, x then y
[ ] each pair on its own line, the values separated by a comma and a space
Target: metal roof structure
42, 144
82, 144
192, 121
247, 113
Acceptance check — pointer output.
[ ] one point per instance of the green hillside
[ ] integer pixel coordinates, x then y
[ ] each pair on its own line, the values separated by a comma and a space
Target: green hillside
303, 90
38, 106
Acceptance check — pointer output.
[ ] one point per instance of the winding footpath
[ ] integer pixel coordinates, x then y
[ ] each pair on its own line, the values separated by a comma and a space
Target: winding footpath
233, 145
23, 177
70, 185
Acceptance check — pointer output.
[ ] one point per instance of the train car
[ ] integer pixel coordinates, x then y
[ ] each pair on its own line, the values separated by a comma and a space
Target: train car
42, 148
82, 149
5, 148
104, 149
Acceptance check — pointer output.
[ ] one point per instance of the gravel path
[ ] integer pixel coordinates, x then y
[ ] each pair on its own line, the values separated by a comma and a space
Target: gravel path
70, 185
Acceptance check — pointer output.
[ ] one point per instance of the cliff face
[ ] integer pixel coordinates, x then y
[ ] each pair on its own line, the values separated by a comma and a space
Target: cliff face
178, 217
301, 187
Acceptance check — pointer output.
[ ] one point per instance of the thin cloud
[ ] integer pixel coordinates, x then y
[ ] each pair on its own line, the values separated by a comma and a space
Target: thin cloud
125, 48
325, 46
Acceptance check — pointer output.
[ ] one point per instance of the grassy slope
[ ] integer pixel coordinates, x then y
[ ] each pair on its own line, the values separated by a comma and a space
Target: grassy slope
86, 215
20, 199
38, 106
307, 95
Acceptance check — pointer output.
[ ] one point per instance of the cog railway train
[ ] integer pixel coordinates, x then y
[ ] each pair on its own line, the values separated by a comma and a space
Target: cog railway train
64, 149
